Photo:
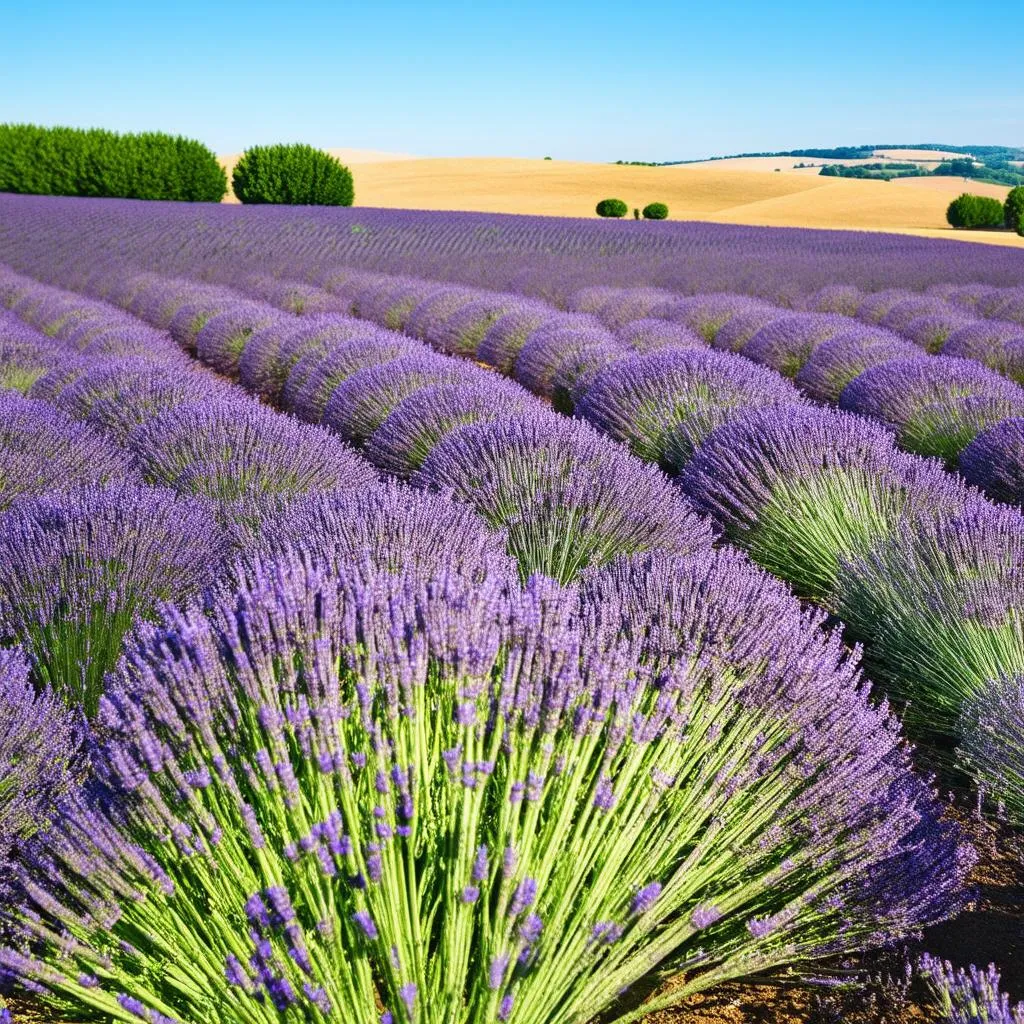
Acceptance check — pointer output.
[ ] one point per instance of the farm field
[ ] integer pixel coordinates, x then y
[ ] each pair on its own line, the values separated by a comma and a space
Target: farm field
709, 192
421, 616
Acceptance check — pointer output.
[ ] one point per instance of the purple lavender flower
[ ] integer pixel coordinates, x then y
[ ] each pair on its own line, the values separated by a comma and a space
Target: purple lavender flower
230, 450
506, 337
223, 337
994, 461
836, 362
937, 406
741, 327
42, 449
78, 569
969, 996
362, 402
785, 344
992, 745
567, 496
664, 404
650, 335
644, 900
403, 441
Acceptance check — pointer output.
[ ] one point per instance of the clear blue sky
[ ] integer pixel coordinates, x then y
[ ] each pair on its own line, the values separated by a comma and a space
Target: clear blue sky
590, 81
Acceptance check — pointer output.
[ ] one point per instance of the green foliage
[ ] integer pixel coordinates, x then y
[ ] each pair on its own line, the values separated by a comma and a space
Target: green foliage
96, 162
297, 175
612, 208
967, 211
655, 211
1013, 208
1020, 225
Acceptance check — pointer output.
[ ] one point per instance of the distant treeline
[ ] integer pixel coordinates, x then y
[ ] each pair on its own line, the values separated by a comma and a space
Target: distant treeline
1001, 173
96, 162
992, 156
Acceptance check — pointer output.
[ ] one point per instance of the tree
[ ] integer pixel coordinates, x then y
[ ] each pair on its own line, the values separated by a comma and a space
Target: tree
612, 208
655, 211
1013, 208
296, 174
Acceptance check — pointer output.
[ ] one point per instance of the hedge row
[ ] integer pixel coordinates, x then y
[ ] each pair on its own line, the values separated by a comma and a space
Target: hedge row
297, 174
96, 162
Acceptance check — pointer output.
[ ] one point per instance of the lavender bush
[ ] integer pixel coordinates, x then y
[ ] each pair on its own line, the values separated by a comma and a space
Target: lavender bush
942, 603
788, 342
994, 461
664, 404
337, 794
841, 359
41, 449
78, 569
937, 406
569, 497
992, 743
802, 489
231, 450
649, 335
37, 745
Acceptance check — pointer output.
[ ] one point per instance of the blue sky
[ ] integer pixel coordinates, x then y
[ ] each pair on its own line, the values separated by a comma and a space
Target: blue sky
588, 81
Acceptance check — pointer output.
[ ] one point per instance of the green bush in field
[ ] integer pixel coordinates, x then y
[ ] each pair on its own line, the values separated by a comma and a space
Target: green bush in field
612, 208
297, 175
1013, 208
96, 162
655, 211
967, 211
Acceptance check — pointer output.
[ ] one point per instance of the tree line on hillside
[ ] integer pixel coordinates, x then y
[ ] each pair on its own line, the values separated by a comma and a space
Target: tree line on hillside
98, 163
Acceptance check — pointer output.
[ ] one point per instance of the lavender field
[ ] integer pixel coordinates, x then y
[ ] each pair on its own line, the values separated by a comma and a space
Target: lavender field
437, 618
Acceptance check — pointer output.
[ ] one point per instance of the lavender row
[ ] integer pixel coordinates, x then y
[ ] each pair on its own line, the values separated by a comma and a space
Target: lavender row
543, 257
521, 902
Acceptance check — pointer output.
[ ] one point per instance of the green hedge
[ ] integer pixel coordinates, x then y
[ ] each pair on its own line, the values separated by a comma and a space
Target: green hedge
967, 211
96, 162
298, 175
655, 211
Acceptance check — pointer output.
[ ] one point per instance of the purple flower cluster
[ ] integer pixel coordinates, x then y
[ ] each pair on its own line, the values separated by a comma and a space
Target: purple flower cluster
969, 996
994, 461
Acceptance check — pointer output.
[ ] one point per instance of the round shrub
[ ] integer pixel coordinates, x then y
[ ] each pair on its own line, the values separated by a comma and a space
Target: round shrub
994, 461
612, 208
655, 211
967, 211
1013, 208
297, 175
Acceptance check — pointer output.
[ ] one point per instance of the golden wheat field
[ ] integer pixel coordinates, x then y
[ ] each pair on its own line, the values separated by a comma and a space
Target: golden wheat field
708, 191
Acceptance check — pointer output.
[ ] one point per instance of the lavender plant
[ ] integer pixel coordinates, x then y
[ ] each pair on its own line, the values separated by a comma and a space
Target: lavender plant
937, 406
943, 605
786, 343
992, 744
841, 359
364, 400
37, 745
569, 497
79, 568
664, 404
403, 442
41, 449
994, 461
220, 341
507, 335
969, 996
803, 489
650, 334
340, 794
314, 378
739, 329
226, 451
